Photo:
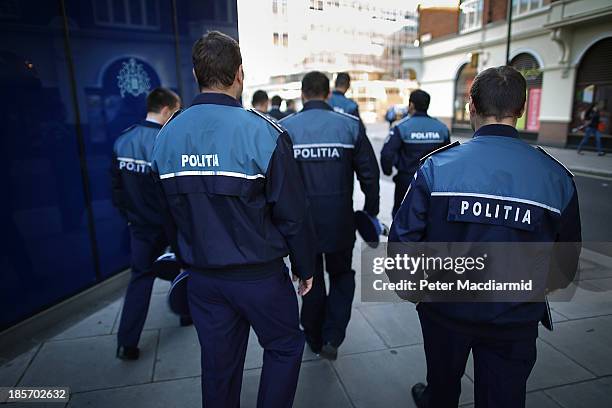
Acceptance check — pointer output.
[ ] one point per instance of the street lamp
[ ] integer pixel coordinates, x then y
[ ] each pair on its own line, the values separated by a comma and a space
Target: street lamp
509, 16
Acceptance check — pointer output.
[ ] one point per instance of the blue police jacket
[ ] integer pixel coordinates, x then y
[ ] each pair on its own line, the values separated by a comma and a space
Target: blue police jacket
234, 191
330, 147
341, 103
411, 139
495, 170
134, 191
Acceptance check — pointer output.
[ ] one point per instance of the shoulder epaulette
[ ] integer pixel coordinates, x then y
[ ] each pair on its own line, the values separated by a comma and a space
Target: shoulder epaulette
287, 117
438, 150
174, 115
541, 149
127, 129
268, 119
348, 115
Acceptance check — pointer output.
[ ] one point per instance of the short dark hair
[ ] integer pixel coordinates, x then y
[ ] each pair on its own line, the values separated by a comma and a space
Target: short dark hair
258, 97
499, 92
276, 100
216, 58
315, 84
290, 102
158, 98
420, 100
343, 80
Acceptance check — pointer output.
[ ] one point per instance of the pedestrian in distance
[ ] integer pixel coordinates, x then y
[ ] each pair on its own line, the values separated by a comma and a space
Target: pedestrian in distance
409, 140
338, 100
591, 128
239, 207
275, 111
260, 101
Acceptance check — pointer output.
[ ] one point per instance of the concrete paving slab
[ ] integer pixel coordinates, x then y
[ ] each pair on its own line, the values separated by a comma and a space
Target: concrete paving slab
397, 323
360, 336
592, 298
178, 354
385, 378
552, 368
11, 371
161, 287
159, 315
318, 387
533, 400
99, 323
89, 363
589, 394
184, 393
585, 341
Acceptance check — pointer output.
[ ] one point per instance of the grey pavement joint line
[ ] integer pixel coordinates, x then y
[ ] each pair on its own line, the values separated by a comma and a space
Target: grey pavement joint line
27, 367
155, 354
346, 393
571, 358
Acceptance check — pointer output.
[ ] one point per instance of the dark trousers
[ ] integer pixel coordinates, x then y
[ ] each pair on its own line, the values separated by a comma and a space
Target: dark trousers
402, 182
325, 317
501, 367
147, 243
223, 311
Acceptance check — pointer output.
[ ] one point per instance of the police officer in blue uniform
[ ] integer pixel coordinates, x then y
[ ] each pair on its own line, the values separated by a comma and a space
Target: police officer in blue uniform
494, 168
275, 111
408, 141
238, 205
331, 147
136, 196
338, 101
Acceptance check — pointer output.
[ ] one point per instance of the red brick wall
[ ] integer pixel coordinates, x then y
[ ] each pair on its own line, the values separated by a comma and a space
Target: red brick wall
494, 10
438, 21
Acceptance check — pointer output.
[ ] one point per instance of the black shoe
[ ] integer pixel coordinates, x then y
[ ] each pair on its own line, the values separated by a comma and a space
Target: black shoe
314, 347
128, 353
418, 394
579, 152
186, 321
601, 153
329, 351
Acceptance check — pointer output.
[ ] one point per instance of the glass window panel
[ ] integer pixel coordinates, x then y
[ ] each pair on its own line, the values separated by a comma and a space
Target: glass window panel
152, 9
135, 12
47, 253
102, 10
119, 11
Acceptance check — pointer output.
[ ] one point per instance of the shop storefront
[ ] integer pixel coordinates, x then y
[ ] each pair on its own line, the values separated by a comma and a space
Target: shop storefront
527, 65
463, 83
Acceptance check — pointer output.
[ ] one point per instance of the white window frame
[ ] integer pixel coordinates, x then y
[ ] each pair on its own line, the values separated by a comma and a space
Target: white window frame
516, 7
144, 5
470, 15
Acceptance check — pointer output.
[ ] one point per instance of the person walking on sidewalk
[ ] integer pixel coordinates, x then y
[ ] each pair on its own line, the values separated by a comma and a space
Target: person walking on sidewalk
495, 169
239, 206
592, 119
409, 140
137, 197
330, 148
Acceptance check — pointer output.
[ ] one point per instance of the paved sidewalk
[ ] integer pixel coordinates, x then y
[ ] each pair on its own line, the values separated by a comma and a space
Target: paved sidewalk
380, 360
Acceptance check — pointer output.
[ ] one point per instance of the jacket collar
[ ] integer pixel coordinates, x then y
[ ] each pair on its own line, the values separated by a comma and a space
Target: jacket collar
497, 130
148, 123
317, 105
216, 99
419, 113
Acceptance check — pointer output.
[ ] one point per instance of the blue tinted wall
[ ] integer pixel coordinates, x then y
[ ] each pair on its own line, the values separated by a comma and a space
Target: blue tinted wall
73, 75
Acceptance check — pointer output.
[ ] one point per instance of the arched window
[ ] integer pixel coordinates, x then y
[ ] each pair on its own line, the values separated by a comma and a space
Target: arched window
463, 83
594, 84
527, 65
